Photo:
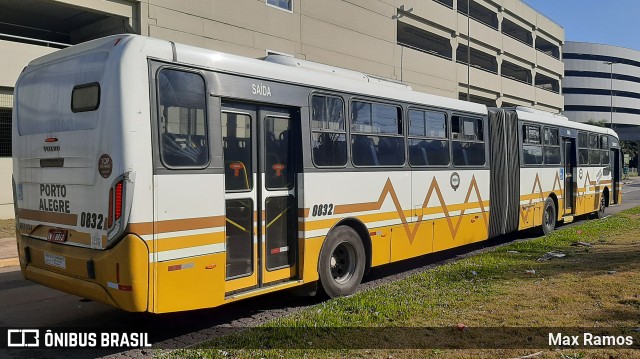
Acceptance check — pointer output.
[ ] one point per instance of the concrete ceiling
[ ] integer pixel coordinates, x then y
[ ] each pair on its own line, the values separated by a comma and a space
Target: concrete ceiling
45, 19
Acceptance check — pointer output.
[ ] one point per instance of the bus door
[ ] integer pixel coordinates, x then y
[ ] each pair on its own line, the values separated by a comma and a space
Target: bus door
261, 209
569, 145
615, 173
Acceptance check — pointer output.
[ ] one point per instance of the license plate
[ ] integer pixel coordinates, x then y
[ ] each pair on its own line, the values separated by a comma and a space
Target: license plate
57, 235
55, 260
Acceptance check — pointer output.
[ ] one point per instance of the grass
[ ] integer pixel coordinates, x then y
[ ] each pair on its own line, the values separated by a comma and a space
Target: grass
7, 228
596, 286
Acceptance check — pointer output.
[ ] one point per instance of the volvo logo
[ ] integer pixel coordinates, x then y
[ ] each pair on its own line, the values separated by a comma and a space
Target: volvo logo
51, 148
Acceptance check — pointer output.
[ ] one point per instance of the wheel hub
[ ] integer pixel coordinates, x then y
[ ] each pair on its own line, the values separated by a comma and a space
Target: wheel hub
547, 217
343, 262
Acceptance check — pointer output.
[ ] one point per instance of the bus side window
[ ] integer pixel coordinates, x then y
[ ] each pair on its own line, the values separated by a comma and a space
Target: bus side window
532, 145
428, 140
182, 115
468, 148
328, 138
376, 134
604, 146
594, 147
551, 146
236, 138
278, 153
583, 148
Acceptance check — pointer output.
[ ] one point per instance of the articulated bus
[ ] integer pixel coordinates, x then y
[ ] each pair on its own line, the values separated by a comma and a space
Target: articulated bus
159, 177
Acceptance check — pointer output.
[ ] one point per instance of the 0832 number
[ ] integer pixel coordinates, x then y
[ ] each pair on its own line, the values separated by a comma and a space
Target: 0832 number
91, 220
322, 210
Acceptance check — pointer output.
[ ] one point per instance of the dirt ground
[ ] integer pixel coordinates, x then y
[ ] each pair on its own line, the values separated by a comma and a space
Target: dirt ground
7, 228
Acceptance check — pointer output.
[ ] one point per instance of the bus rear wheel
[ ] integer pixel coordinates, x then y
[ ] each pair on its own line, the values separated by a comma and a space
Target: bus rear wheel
548, 217
342, 262
601, 208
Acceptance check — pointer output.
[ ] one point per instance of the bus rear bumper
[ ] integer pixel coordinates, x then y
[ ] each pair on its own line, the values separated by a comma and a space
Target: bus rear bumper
118, 276
65, 283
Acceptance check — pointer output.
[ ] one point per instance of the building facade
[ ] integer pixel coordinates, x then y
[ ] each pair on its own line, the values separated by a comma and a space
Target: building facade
503, 54
602, 84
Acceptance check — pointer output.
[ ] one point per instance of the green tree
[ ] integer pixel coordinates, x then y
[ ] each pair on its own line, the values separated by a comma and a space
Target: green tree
599, 123
629, 147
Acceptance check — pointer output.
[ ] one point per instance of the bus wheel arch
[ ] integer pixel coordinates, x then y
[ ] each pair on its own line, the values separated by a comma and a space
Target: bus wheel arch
363, 232
343, 259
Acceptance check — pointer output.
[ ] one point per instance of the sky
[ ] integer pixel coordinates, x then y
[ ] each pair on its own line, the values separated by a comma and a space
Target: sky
611, 22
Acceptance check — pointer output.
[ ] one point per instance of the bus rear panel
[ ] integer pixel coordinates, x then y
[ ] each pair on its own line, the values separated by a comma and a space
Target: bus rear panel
72, 182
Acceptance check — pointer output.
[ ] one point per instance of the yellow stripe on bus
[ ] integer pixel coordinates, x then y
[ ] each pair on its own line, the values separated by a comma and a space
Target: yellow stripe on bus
196, 240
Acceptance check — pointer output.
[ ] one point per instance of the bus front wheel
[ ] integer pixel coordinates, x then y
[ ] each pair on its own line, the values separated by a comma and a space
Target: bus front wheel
342, 262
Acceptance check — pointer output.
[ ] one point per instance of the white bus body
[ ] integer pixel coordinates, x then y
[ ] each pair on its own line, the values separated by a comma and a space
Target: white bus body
161, 177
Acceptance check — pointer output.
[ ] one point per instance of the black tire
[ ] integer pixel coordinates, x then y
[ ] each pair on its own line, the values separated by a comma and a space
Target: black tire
603, 205
549, 217
342, 262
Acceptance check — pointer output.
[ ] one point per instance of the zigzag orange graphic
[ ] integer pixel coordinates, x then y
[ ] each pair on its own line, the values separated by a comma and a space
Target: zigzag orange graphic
524, 214
411, 234
557, 180
581, 195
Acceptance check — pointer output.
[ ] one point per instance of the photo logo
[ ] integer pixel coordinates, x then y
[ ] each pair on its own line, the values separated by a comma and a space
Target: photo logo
23, 338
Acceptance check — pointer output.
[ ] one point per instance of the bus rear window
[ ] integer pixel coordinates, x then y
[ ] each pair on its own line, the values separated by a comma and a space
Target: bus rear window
61, 96
85, 97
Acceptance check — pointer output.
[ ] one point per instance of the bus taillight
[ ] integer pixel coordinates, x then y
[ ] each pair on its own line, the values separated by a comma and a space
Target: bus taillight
119, 200
110, 213
115, 204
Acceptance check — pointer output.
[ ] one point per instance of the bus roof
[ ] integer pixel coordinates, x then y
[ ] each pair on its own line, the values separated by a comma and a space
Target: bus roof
529, 114
316, 78
301, 72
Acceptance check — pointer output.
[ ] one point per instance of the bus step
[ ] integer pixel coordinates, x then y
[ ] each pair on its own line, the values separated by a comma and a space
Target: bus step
567, 219
268, 288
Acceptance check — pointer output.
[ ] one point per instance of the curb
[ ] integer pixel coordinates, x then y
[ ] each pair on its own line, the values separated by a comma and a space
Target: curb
9, 262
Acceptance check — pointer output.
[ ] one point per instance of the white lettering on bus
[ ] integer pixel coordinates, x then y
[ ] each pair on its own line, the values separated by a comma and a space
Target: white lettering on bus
260, 89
